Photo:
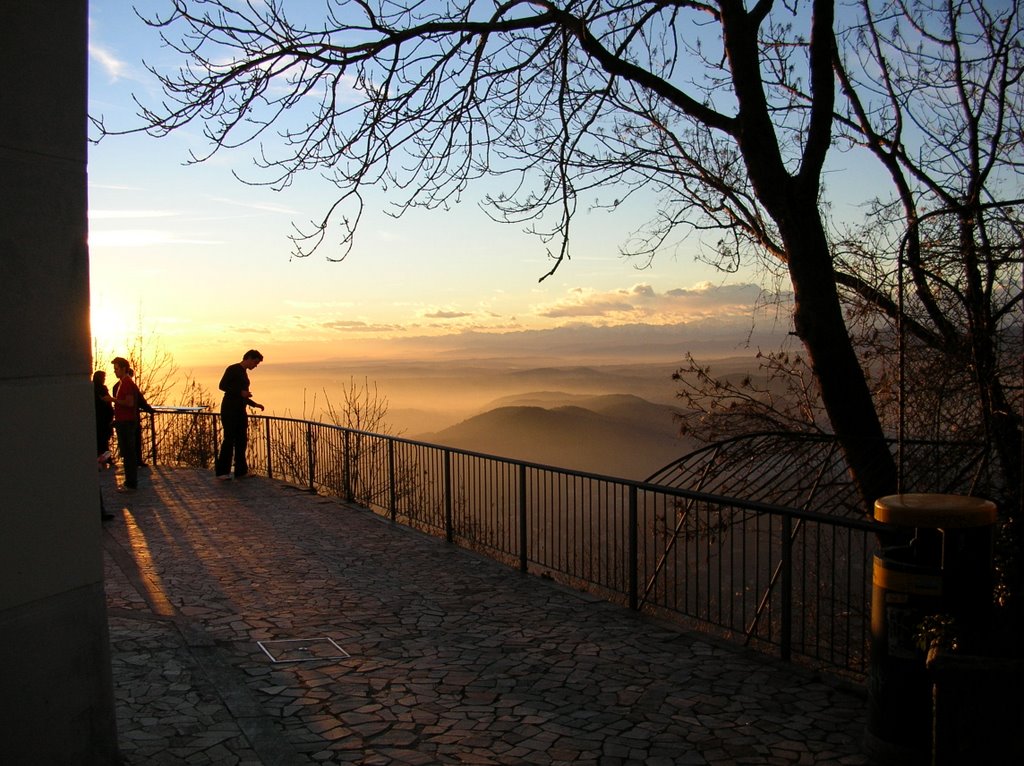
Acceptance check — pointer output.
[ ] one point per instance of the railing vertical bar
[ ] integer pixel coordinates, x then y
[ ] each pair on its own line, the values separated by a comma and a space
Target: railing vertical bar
562, 503
633, 558
270, 462
555, 555
310, 457
523, 566
848, 643
745, 615
549, 504
768, 586
591, 525
447, 464
347, 470
622, 514
685, 564
568, 516
392, 490
786, 633
698, 564
722, 533
152, 436
216, 440
492, 482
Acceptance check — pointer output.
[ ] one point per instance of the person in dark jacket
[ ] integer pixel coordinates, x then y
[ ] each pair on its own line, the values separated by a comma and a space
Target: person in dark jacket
234, 417
104, 417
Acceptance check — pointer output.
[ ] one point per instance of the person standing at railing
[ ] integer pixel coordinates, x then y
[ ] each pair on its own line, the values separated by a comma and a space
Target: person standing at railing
104, 417
125, 402
233, 415
141, 406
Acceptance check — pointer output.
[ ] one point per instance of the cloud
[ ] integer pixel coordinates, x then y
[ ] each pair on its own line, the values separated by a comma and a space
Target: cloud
708, 293
262, 207
589, 306
441, 314
318, 305
354, 325
252, 330
109, 215
114, 187
143, 238
642, 303
113, 66
733, 309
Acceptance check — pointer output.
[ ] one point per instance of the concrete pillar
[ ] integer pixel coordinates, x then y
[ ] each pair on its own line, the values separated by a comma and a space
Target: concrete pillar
56, 695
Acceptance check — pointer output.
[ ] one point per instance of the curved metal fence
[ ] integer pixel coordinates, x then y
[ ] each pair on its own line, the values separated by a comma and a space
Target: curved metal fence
793, 583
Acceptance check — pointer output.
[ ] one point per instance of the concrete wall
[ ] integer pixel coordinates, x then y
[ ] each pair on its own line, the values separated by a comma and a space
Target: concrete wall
56, 698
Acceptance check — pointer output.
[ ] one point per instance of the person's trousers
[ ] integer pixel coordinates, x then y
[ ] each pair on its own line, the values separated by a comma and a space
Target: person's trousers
236, 436
104, 429
126, 433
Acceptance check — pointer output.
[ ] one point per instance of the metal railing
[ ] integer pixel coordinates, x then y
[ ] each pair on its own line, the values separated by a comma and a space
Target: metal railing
789, 582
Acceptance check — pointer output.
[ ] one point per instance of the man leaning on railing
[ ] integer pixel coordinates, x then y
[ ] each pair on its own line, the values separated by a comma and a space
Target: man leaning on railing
234, 417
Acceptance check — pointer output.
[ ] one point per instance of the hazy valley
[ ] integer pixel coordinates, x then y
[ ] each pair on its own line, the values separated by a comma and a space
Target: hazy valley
613, 434
614, 419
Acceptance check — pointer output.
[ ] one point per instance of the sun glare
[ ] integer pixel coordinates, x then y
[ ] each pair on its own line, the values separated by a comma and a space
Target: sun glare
108, 327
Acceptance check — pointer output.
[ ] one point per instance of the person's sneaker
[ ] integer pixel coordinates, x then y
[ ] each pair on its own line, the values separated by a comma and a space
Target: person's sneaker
224, 477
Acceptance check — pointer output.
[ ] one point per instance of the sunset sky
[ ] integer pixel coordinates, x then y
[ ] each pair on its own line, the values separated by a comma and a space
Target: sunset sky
204, 260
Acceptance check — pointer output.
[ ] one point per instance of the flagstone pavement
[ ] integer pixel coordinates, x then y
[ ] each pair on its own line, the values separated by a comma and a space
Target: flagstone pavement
253, 623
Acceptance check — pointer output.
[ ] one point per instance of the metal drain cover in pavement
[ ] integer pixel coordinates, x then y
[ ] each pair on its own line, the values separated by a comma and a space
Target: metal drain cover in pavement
302, 650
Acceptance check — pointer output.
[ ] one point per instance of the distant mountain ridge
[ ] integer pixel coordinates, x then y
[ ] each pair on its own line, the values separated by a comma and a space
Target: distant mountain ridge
613, 434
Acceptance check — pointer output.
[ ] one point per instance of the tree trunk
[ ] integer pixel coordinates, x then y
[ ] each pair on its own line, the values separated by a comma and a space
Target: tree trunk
792, 201
818, 317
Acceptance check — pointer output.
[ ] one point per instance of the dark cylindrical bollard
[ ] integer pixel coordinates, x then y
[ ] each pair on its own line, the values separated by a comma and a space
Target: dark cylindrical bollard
945, 570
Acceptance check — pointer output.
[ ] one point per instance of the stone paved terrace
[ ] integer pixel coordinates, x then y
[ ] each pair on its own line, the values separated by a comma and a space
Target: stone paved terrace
451, 658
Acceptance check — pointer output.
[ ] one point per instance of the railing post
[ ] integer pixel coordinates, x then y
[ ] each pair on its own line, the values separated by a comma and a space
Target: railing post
310, 456
348, 466
449, 533
523, 563
270, 462
393, 496
152, 436
216, 440
786, 637
633, 558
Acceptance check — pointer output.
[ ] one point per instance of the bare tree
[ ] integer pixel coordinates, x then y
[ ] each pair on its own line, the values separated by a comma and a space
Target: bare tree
933, 90
350, 456
781, 396
725, 109
154, 367
363, 408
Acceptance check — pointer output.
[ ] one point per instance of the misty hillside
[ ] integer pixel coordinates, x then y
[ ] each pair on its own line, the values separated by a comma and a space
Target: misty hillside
616, 434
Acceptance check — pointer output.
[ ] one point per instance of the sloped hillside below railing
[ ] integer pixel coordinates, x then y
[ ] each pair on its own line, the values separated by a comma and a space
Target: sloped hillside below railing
788, 582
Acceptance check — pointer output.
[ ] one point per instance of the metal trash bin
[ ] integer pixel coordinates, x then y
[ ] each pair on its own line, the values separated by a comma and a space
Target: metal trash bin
946, 569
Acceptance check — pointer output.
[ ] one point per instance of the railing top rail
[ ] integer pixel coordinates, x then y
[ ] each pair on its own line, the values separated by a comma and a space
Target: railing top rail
755, 506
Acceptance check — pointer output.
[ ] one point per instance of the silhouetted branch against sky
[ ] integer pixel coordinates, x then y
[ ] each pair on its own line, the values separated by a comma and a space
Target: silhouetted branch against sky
728, 122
